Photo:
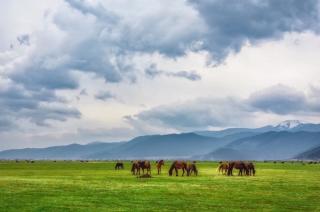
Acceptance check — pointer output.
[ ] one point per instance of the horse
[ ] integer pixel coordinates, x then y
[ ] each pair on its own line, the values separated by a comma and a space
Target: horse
178, 165
135, 168
144, 164
192, 168
223, 168
250, 168
159, 164
237, 165
119, 165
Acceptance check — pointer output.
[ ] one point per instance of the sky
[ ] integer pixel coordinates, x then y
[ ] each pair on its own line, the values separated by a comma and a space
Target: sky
78, 71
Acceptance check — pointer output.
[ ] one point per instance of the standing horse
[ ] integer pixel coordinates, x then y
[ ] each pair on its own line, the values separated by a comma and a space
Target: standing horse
237, 165
145, 164
119, 165
223, 168
250, 169
135, 168
159, 164
178, 165
192, 168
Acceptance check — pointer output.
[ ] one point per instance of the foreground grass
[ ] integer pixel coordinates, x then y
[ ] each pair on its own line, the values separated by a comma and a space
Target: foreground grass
96, 186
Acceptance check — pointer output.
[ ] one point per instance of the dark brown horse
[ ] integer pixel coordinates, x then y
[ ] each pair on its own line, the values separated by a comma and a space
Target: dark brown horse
240, 165
119, 165
178, 165
145, 164
192, 168
223, 167
250, 169
159, 164
135, 168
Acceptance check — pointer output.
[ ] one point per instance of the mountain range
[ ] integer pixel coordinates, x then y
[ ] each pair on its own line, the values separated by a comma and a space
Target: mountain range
287, 140
310, 154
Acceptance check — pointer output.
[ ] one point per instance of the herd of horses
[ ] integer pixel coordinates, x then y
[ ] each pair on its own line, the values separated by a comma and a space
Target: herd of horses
245, 168
143, 167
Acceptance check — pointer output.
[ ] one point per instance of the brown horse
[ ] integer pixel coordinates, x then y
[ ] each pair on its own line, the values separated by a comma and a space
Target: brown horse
119, 165
159, 164
223, 168
178, 165
240, 165
250, 169
192, 168
144, 164
135, 168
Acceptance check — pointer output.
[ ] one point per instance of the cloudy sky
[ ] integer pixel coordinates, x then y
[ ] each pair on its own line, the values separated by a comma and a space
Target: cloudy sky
87, 70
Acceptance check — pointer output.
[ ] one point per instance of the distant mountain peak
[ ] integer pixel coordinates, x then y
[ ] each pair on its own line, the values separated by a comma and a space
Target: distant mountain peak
289, 124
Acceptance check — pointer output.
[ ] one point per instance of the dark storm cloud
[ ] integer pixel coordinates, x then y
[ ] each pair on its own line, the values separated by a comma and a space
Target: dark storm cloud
282, 99
196, 114
204, 113
36, 106
38, 77
44, 113
156, 33
152, 71
233, 23
104, 95
278, 99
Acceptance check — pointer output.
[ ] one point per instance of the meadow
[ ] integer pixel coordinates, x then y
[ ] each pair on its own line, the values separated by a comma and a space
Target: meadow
96, 186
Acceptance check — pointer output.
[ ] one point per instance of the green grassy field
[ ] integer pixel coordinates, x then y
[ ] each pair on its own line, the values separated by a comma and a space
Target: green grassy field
96, 186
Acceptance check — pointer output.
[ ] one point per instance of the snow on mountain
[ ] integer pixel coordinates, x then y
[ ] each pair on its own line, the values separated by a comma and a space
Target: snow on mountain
288, 124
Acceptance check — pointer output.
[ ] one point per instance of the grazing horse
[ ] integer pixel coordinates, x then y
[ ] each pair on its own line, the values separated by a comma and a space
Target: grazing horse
178, 165
250, 169
119, 165
223, 168
135, 168
159, 164
192, 168
237, 165
144, 164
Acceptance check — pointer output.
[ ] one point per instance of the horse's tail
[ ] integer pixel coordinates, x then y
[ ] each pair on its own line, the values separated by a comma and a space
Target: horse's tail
133, 168
171, 168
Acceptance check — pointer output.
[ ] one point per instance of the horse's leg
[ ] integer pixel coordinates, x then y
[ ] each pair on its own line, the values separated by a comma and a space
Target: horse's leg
230, 171
176, 171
